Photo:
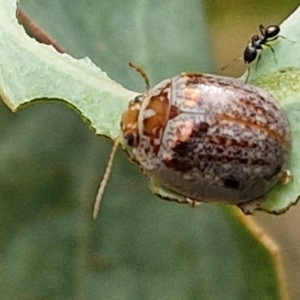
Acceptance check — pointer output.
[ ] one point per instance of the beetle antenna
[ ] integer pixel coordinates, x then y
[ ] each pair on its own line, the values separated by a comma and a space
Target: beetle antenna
142, 73
105, 179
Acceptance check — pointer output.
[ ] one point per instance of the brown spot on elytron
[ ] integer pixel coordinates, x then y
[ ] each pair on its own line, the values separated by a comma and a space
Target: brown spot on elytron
177, 165
267, 131
183, 161
260, 107
156, 148
200, 132
222, 141
203, 127
174, 112
194, 78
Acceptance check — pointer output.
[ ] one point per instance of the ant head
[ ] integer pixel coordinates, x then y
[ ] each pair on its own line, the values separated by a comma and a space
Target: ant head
272, 31
255, 43
254, 39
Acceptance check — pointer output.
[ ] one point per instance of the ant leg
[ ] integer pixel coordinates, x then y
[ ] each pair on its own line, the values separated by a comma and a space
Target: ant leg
248, 73
258, 60
285, 38
282, 37
274, 38
272, 52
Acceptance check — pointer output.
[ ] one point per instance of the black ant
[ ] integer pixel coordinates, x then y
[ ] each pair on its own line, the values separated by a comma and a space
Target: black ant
268, 34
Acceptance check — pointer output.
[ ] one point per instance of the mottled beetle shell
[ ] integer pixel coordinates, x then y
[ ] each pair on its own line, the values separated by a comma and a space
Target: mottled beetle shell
209, 138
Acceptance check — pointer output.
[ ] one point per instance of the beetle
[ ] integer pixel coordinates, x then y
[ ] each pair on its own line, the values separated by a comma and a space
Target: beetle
208, 138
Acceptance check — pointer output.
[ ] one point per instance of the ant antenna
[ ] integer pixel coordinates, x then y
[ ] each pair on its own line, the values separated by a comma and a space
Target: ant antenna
105, 179
234, 60
142, 73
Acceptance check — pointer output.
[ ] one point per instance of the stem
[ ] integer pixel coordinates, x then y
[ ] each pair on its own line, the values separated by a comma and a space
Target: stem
36, 31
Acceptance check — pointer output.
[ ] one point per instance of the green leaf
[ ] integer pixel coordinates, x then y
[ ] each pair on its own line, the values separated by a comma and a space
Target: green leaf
285, 86
50, 74
140, 247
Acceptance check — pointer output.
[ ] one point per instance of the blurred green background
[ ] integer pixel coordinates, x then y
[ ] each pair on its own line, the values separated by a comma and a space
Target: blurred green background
51, 164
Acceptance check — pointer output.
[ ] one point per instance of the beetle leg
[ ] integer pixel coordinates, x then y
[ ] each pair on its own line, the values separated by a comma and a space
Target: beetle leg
193, 203
165, 193
287, 177
248, 208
